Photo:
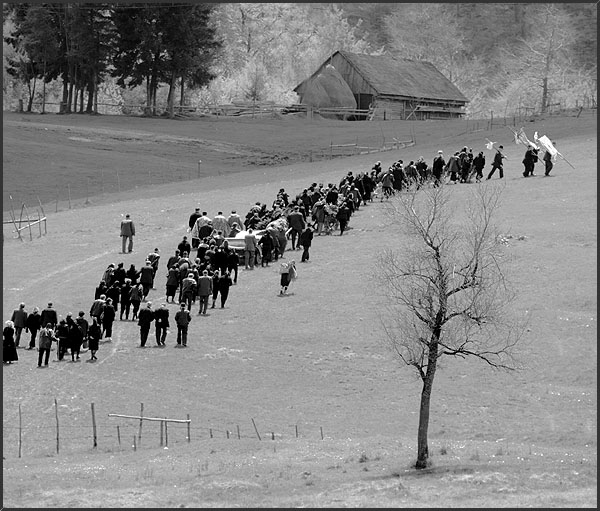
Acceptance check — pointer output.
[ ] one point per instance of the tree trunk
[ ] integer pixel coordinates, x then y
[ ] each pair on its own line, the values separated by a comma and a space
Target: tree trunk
422, 447
44, 90
181, 94
65, 96
171, 97
547, 73
89, 108
148, 109
31, 95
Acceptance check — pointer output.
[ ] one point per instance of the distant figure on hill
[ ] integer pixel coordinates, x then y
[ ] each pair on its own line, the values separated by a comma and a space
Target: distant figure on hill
127, 233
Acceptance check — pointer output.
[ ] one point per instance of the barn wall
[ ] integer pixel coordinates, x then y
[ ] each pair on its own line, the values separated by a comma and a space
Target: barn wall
390, 109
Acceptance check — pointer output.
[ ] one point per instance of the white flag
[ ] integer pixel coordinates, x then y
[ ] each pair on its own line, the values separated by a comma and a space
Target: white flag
490, 144
545, 142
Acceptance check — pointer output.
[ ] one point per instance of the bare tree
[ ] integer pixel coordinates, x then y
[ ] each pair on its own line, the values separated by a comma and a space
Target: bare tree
447, 293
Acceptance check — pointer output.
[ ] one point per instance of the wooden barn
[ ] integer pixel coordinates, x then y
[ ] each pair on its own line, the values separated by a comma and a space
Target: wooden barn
392, 88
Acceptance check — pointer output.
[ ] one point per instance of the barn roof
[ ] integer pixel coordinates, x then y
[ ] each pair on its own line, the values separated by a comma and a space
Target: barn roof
392, 76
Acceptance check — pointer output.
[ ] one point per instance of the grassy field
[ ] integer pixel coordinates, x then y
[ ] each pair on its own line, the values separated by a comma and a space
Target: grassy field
336, 413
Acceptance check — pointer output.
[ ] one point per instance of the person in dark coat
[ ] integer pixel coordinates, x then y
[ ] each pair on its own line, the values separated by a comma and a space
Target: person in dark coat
136, 295
219, 259
19, 318
437, 168
266, 244
84, 325
161, 323
125, 292
172, 282
145, 319
119, 275
127, 234
216, 276
529, 161
182, 319
147, 278
478, 165
62, 333
49, 315
193, 217
94, 334
9, 349
33, 325
184, 246
96, 308
114, 293
46, 338
233, 262
225, 283
108, 317
133, 274
101, 289
343, 216
306, 241
75, 338
497, 163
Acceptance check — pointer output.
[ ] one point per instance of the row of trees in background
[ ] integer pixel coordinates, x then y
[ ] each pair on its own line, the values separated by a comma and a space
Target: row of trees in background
136, 44
530, 55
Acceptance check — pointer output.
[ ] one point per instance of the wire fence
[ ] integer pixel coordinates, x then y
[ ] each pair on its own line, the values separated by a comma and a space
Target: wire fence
55, 432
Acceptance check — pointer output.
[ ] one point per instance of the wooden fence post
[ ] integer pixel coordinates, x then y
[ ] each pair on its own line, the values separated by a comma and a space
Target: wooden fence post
296, 430
255, 429
57, 431
166, 433
94, 427
141, 421
119, 436
20, 430
162, 424
321, 432
69, 191
238, 432
134, 446
188, 428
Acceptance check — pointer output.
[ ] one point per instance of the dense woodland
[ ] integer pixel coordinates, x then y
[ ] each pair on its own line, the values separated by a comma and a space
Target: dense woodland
503, 57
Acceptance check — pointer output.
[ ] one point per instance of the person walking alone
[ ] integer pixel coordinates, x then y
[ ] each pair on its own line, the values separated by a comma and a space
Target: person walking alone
306, 240
127, 234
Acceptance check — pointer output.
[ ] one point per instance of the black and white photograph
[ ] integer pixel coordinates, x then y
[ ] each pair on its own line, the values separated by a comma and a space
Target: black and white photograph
290, 255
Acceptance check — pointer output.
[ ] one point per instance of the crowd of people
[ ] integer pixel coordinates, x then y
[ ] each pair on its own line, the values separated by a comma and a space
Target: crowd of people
207, 277
203, 278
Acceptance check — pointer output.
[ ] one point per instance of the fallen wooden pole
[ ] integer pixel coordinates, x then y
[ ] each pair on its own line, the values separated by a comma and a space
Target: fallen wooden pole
148, 418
